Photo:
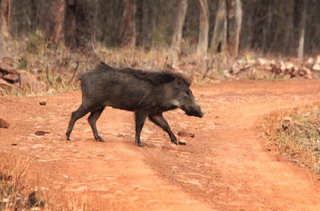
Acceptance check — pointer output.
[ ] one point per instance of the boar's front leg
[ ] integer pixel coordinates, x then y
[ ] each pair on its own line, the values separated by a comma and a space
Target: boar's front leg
82, 110
159, 120
140, 117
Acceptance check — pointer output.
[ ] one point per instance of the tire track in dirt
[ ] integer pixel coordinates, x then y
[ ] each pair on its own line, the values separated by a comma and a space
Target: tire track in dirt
241, 173
226, 166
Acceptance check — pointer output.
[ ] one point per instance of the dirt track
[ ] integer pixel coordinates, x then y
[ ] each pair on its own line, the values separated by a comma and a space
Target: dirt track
227, 165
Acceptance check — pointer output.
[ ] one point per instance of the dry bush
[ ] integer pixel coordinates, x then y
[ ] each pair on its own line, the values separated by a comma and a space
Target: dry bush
13, 191
17, 194
296, 132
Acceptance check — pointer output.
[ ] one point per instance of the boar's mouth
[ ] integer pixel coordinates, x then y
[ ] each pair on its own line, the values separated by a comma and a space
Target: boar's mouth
193, 112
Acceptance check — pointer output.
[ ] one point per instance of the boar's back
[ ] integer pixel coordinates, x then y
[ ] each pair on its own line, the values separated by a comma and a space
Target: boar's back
155, 78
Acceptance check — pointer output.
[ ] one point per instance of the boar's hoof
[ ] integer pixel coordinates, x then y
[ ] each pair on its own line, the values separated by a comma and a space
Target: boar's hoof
99, 138
175, 142
182, 142
140, 144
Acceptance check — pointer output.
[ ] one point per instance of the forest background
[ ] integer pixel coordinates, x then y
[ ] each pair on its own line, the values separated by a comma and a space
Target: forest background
180, 31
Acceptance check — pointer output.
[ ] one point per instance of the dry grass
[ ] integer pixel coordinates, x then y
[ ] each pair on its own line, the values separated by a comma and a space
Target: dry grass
14, 194
74, 204
296, 132
59, 67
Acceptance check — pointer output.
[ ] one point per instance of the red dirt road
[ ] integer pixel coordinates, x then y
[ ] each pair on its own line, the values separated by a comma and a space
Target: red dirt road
227, 165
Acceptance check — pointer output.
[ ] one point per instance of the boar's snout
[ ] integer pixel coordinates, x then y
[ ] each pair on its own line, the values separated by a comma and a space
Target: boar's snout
194, 111
199, 114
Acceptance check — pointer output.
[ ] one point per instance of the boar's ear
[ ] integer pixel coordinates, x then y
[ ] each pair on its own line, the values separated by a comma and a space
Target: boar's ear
162, 78
178, 81
168, 78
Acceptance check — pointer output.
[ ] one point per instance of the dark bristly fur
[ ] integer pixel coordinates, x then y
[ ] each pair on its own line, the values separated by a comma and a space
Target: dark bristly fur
155, 78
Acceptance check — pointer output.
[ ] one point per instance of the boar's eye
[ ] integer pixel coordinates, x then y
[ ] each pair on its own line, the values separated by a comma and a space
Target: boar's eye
188, 92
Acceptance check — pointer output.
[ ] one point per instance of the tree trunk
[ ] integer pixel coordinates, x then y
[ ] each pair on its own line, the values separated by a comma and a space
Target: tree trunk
81, 24
86, 16
58, 34
155, 12
4, 22
219, 37
302, 29
247, 35
202, 46
145, 23
51, 19
234, 14
267, 26
71, 38
177, 33
289, 35
128, 35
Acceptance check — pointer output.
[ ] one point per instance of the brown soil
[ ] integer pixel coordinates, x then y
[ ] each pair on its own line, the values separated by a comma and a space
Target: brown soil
227, 165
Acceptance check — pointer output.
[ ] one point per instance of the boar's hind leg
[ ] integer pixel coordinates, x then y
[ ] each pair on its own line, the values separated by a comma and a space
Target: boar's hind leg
92, 119
140, 117
82, 110
159, 120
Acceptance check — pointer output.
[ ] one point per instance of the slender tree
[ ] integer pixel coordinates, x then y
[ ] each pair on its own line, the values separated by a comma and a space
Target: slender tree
51, 19
202, 46
219, 37
267, 26
58, 34
302, 28
177, 33
128, 35
145, 23
86, 23
234, 14
4, 22
247, 32
288, 27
